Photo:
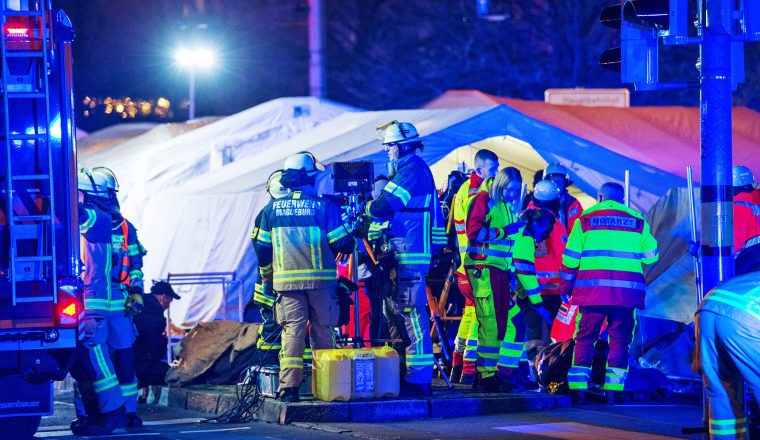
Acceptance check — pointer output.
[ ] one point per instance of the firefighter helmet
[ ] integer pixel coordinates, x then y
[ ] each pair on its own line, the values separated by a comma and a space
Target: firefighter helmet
110, 178
303, 161
557, 168
397, 133
546, 191
742, 176
274, 187
94, 184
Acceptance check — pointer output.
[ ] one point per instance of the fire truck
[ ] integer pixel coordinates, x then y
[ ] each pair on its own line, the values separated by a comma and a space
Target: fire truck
40, 294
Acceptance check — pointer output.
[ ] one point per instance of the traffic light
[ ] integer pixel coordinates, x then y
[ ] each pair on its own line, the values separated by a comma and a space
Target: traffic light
641, 24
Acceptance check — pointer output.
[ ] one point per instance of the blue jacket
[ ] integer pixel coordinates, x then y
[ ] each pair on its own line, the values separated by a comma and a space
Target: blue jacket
410, 203
95, 256
298, 237
737, 298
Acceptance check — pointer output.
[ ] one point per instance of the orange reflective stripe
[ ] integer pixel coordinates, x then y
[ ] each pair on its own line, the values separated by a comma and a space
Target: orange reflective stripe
124, 275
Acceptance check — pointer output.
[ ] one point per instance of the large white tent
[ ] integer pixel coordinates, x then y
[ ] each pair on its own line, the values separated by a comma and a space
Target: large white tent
204, 224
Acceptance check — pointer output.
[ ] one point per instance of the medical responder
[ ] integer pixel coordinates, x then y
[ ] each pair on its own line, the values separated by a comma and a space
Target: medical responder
569, 207
602, 268
269, 341
497, 247
299, 236
746, 211
97, 391
548, 263
728, 349
410, 203
464, 358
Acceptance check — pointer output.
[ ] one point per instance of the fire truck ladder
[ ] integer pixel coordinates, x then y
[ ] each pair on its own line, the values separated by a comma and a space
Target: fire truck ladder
41, 265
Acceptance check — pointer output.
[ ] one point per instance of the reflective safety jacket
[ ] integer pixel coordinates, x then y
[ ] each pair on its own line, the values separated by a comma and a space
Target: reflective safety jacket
263, 294
738, 299
605, 252
462, 200
570, 209
299, 236
497, 240
549, 257
95, 256
376, 229
127, 256
746, 219
410, 203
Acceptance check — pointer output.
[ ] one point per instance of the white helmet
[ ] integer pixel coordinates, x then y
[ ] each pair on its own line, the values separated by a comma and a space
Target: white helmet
303, 161
397, 133
546, 191
109, 177
274, 187
558, 169
91, 183
741, 176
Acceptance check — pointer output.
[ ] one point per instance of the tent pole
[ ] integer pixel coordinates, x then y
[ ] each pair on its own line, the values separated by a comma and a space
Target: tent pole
627, 188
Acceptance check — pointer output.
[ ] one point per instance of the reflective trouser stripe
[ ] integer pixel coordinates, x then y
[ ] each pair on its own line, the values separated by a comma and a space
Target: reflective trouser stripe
291, 362
577, 377
511, 348
614, 380
728, 427
468, 316
106, 385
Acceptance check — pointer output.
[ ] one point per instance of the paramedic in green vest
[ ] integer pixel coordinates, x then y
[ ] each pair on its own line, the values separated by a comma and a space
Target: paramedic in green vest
268, 342
409, 202
464, 359
299, 236
602, 267
499, 250
728, 354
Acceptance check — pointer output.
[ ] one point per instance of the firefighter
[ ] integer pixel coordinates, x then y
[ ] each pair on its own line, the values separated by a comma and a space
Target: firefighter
464, 359
410, 203
728, 349
602, 269
569, 207
548, 262
746, 211
299, 236
499, 245
127, 290
97, 391
268, 341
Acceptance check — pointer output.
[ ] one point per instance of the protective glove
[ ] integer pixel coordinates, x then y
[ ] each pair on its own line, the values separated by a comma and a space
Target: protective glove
694, 247
138, 290
134, 305
90, 325
539, 308
566, 298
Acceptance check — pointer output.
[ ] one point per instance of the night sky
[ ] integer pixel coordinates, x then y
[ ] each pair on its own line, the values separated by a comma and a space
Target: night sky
380, 54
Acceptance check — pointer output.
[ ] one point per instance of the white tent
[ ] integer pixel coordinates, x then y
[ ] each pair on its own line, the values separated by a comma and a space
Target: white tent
204, 225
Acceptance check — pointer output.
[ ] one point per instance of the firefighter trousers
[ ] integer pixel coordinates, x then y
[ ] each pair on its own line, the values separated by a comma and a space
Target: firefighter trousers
408, 320
729, 353
121, 336
620, 324
96, 376
293, 309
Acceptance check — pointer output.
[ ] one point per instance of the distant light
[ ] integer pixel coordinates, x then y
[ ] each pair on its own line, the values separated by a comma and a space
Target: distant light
198, 57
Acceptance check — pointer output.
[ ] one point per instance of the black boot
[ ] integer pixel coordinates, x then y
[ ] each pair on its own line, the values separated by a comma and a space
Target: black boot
456, 374
490, 384
289, 395
578, 396
107, 423
415, 389
133, 421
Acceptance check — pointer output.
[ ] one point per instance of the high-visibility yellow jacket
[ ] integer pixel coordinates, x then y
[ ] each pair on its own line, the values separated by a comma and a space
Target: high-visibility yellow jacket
497, 240
462, 200
603, 262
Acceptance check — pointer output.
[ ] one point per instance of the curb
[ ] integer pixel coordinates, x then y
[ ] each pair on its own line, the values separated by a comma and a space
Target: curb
216, 399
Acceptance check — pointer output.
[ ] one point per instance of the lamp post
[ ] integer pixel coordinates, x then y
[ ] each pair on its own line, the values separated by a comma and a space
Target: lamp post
193, 59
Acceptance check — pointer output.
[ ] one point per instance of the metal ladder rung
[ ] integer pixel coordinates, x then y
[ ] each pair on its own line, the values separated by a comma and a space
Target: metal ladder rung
9, 13
28, 137
31, 177
24, 54
25, 95
32, 259
33, 299
31, 218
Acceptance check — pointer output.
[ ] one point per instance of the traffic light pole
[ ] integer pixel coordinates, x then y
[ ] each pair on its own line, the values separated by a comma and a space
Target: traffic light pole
715, 138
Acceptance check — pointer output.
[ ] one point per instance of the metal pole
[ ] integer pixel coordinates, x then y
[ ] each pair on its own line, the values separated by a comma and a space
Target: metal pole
715, 133
191, 94
694, 234
627, 188
316, 50
168, 335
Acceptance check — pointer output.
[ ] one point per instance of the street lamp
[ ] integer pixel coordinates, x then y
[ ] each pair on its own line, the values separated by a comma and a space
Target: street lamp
192, 59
